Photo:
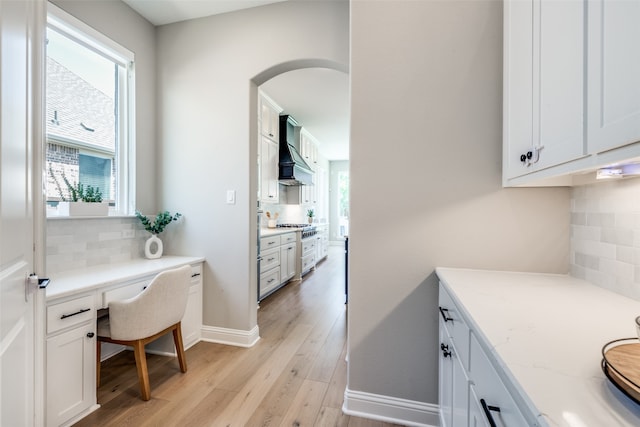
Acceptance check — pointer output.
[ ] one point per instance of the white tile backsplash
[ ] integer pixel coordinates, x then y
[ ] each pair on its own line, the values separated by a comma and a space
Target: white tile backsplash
74, 243
605, 235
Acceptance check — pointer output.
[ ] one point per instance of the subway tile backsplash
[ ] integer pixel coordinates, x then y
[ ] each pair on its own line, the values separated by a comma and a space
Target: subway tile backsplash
85, 242
605, 235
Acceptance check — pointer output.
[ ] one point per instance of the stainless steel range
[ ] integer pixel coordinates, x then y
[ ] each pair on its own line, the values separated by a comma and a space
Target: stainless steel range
307, 230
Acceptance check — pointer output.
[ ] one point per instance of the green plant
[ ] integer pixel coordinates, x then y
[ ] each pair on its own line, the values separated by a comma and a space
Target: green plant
77, 191
162, 220
311, 213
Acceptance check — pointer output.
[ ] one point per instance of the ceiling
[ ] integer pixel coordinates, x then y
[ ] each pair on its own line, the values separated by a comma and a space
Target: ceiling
318, 98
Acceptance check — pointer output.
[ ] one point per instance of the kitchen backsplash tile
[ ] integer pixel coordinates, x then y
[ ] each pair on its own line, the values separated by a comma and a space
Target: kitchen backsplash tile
605, 235
78, 243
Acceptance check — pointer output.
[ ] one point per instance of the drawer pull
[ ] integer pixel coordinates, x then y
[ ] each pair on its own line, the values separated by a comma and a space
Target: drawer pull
270, 280
445, 316
195, 274
90, 335
487, 412
84, 310
270, 259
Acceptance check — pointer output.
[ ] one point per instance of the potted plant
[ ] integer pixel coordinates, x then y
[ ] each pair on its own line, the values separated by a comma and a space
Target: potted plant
156, 227
79, 200
310, 215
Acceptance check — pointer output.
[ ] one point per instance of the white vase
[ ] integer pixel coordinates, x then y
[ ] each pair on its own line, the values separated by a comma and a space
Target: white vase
151, 241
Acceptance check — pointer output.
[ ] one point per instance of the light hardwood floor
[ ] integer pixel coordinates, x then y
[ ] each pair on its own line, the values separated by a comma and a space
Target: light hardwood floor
294, 376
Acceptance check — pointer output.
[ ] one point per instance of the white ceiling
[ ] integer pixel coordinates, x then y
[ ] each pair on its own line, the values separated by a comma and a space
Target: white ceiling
317, 98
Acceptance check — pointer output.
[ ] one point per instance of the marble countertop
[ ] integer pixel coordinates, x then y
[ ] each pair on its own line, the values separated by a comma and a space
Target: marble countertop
72, 282
547, 331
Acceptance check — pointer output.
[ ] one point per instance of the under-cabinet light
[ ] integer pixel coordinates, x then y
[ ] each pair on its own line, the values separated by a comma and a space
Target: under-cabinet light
616, 172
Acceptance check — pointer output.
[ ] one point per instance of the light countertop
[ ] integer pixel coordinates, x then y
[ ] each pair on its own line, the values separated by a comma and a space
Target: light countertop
266, 232
548, 332
71, 282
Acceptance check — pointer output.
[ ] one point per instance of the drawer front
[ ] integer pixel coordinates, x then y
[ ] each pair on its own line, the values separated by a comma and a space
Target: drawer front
455, 325
270, 259
124, 292
308, 262
287, 238
269, 242
308, 246
70, 313
488, 387
269, 281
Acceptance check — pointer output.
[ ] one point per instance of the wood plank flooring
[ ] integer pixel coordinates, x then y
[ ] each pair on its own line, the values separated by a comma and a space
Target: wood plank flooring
294, 376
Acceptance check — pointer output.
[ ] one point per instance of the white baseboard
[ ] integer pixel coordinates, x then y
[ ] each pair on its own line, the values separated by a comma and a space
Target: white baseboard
235, 337
390, 409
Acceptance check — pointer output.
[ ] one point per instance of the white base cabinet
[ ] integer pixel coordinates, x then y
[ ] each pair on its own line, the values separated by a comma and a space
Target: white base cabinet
472, 392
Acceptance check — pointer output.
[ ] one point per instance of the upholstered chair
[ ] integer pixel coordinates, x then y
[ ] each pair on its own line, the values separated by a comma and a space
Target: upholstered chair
156, 311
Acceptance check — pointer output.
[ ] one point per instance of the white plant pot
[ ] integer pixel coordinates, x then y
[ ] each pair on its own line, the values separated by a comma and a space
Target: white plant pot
83, 209
153, 247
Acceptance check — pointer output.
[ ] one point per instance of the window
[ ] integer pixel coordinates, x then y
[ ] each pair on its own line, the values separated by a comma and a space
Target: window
343, 203
89, 110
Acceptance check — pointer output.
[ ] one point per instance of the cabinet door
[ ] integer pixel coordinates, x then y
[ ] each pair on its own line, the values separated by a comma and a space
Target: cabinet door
453, 384
543, 84
287, 261
269, 119
269, 171
614, 74
71, 361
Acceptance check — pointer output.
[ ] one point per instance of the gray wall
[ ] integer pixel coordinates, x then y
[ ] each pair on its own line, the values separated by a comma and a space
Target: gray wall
426, 124
209, 70
122, 24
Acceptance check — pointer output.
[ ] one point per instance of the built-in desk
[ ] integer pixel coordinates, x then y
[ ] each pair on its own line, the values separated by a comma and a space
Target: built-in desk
72, 300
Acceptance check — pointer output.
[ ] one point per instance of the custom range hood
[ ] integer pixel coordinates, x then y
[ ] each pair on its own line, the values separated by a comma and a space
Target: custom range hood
292, 170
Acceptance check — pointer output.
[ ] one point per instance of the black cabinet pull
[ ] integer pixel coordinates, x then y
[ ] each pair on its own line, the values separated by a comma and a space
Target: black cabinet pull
90, 335
529, 155
445, 316
445, 351
195, 274
84, 310
523, 158
487, 412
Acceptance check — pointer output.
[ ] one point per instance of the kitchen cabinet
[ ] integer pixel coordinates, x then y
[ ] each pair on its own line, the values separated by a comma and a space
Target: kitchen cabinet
544, 77
269, 116
269, 186
308, 255
322, 241
277, 262
614, 74
471, 389
71, 359
309, 149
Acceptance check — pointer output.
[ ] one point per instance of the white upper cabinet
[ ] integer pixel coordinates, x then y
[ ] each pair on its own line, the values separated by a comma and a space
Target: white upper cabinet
309, 149
269, 118
544, 54
614, 74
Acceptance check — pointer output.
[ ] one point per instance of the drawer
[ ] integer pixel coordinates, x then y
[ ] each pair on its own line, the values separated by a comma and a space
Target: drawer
124, 292
487, 386
270, 259
70, 313
287, 238
308, 262
455, 325
269, 281
308, 246
269, 242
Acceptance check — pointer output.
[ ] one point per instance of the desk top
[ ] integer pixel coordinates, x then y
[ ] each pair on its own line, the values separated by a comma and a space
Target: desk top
68, 283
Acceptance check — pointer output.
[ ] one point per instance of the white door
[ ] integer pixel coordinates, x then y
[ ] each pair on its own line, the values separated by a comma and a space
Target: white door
21, 46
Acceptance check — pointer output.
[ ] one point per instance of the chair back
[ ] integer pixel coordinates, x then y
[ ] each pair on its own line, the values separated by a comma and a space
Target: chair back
159, 306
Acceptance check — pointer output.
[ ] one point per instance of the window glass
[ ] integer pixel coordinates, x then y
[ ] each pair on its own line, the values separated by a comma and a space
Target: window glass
88, 94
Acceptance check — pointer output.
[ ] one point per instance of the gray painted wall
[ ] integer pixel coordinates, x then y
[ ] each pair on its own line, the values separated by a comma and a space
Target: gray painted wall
209, 69
120, 23
426, 135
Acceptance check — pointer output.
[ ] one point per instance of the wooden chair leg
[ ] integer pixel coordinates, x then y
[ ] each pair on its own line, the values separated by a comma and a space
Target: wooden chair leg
98, 347
141, 365
177, 340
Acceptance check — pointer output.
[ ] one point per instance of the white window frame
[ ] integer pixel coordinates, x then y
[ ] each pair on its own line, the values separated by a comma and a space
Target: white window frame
81, 33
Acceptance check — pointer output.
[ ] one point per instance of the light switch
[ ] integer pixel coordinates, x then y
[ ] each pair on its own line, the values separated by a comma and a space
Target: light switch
231, 197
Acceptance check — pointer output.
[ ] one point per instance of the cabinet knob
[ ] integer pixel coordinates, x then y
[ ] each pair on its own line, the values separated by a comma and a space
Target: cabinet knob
529, 155
90, 335
445, 350
523, 158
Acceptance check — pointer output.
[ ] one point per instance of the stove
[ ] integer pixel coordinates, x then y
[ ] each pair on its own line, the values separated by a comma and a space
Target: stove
306, 229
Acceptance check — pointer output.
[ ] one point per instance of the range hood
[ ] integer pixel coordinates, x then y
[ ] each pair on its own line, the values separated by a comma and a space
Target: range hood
292, 169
